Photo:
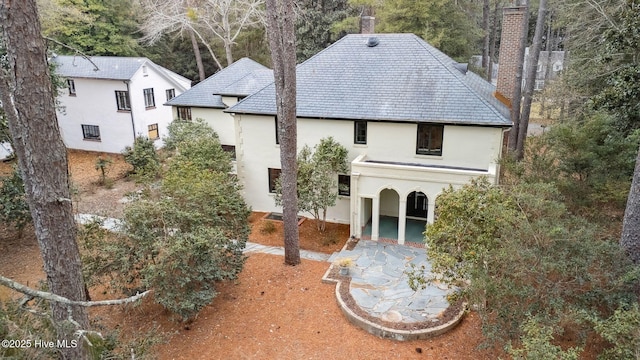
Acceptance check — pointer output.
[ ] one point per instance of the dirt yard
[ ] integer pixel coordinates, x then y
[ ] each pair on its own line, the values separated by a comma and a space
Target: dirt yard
272, 311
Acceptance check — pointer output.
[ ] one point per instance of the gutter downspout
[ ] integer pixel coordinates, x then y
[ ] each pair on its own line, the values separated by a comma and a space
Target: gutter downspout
133, 124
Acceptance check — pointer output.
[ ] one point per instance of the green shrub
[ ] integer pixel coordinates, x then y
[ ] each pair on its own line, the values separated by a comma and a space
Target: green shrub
181, 132
622, 331
102, 165
179, 238
517, 252
536, 344
268, 227
143, 157
13, 204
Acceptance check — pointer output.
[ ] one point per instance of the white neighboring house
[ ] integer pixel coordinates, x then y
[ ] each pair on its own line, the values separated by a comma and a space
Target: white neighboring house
5, 151
413, 120
109, 101
208, 99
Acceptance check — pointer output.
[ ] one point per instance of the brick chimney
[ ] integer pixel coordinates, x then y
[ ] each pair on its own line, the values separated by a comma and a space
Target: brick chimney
367, 24
512, 22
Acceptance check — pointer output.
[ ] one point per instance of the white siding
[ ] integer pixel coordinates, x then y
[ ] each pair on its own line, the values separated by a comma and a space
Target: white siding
95, 104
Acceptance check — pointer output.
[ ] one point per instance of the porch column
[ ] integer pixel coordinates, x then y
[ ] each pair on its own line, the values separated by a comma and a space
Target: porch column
431, 209
356, 206
375, 218
402, 220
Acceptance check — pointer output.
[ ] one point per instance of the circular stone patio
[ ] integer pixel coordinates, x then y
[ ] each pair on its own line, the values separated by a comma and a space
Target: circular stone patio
379, 287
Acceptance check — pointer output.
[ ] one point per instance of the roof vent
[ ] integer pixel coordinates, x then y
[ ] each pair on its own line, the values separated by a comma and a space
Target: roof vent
373, 41
463, 68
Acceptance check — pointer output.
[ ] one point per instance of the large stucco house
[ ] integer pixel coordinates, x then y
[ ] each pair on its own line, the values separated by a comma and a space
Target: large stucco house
108, 101
413, 120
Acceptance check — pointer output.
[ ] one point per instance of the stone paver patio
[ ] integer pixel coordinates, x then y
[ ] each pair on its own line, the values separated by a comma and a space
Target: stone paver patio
380, 286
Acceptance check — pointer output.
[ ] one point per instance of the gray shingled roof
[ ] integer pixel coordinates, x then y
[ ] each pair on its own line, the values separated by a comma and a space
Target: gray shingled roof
108, 67
241, 78
401, 79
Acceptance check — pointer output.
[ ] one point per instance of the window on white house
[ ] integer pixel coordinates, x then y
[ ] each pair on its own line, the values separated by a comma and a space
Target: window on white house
153, 132
171, 93
184, 113
231, 149
274, 174
360, 132
344, 185
91, 132
277, 131
122, 99
149, 99
429, 139
71, 85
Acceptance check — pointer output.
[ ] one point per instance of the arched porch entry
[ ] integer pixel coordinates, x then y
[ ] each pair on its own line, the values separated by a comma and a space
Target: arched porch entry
417, 205
390, 215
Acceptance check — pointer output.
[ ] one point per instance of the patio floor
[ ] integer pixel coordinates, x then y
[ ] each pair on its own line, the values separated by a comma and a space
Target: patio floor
380, 286
388, 229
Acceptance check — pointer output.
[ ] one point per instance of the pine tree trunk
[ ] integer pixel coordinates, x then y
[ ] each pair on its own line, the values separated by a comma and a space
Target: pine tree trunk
28, 100
485, 39
534, 55
547, 71
196, 53
630, 239
492, 44
282, 43
517, 93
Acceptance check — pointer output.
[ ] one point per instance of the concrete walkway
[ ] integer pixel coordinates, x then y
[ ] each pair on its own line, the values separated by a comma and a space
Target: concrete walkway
112, 224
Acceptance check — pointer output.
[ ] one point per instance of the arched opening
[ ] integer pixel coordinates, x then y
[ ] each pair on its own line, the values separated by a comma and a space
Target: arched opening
417, 205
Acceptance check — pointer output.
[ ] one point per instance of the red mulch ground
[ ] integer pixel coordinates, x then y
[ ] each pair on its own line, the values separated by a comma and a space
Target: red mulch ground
272, 311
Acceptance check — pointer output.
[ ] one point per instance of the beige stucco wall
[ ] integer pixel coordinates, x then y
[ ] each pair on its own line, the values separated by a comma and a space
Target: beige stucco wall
463, 146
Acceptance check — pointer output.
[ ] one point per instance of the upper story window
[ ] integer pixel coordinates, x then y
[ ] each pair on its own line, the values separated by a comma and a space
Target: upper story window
360, 132
149, 99
171, 93
429, 139
122, 99
91, 132
277, 131
184, 113
71, 85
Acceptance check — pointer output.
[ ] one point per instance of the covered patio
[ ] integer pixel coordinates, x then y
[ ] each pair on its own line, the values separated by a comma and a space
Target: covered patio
395, 201
388, 229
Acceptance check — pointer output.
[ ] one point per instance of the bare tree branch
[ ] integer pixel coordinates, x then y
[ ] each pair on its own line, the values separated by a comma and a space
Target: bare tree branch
63, 300
87, 57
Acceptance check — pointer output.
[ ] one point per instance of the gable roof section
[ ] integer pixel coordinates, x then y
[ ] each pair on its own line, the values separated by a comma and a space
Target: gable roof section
402, 78
112, 68
241, 78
